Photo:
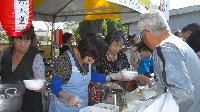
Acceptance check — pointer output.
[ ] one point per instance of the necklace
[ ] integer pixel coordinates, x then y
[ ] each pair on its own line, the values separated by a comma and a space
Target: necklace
111, 57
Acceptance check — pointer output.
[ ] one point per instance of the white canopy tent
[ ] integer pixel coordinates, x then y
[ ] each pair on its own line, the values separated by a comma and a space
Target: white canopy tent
74, 10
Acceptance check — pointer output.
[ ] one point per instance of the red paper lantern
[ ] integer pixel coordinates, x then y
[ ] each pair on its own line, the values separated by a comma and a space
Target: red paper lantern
15, 16
58, 36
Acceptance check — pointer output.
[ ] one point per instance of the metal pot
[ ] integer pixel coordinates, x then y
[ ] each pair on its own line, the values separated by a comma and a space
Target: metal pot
113, 96
11, 96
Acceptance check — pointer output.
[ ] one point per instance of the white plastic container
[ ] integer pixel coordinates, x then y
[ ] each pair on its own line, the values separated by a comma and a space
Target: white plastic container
34, 84
129, 75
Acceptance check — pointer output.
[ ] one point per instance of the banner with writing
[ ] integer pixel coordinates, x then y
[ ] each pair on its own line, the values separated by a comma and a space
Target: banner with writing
141, 6
164, 7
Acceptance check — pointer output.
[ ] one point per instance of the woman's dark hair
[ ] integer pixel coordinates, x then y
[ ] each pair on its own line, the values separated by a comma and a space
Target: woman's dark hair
29, 34
114, 35
177, 33
66, 37
131, 39
92, 45
192, 27
194, 41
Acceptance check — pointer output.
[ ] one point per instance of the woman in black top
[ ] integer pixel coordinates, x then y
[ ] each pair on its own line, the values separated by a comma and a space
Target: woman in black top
113, 62
22, 62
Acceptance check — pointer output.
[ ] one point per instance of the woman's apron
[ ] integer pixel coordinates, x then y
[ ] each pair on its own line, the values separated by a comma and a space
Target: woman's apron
77, 85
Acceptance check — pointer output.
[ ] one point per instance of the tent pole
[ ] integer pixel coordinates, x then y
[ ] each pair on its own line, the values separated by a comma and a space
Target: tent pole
52, 40
63, 7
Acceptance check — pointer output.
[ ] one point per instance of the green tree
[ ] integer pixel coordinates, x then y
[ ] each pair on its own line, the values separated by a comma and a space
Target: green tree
116, 23
87, 26
71, 26
104, 28
3, 37
95, 26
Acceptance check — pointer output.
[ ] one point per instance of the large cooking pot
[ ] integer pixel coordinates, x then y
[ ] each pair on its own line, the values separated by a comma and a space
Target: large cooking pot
11, 96
113, 96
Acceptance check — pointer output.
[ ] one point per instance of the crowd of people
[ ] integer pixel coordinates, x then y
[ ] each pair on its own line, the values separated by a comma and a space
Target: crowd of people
79, 70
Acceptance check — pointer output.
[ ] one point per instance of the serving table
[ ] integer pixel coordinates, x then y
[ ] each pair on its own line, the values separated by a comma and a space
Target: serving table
133, 100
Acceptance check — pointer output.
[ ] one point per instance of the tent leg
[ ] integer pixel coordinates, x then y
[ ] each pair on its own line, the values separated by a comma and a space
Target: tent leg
52, 40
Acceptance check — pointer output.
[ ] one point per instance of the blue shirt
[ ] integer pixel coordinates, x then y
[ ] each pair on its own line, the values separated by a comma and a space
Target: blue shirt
146, 65
98, 77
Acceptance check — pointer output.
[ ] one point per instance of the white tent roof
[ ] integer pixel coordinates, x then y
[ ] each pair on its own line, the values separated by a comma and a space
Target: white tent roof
70, 10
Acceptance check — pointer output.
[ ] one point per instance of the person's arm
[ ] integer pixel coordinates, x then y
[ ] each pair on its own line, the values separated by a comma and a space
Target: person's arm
61, 73
102, 78
98, 77
1, 55
56, 83
178, 76
38, 67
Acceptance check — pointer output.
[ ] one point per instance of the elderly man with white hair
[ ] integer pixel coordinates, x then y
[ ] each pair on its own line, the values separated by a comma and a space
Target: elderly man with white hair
175, 63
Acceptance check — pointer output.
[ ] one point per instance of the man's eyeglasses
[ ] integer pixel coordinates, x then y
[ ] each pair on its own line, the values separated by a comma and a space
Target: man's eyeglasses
142, 32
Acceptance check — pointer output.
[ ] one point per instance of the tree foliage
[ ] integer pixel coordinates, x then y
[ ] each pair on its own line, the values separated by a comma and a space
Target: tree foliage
96, 26
116, 23
3, 37
71, 26
87, 27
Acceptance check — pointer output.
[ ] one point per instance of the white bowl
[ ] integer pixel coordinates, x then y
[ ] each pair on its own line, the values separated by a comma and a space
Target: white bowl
129, 75
34, 84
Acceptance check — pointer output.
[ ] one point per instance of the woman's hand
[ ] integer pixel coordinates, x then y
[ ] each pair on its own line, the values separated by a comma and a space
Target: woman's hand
41, 89
115, 76
143, 80
70, 99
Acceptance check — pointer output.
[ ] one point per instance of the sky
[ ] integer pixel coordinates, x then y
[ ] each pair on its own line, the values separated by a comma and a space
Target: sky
174, 4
